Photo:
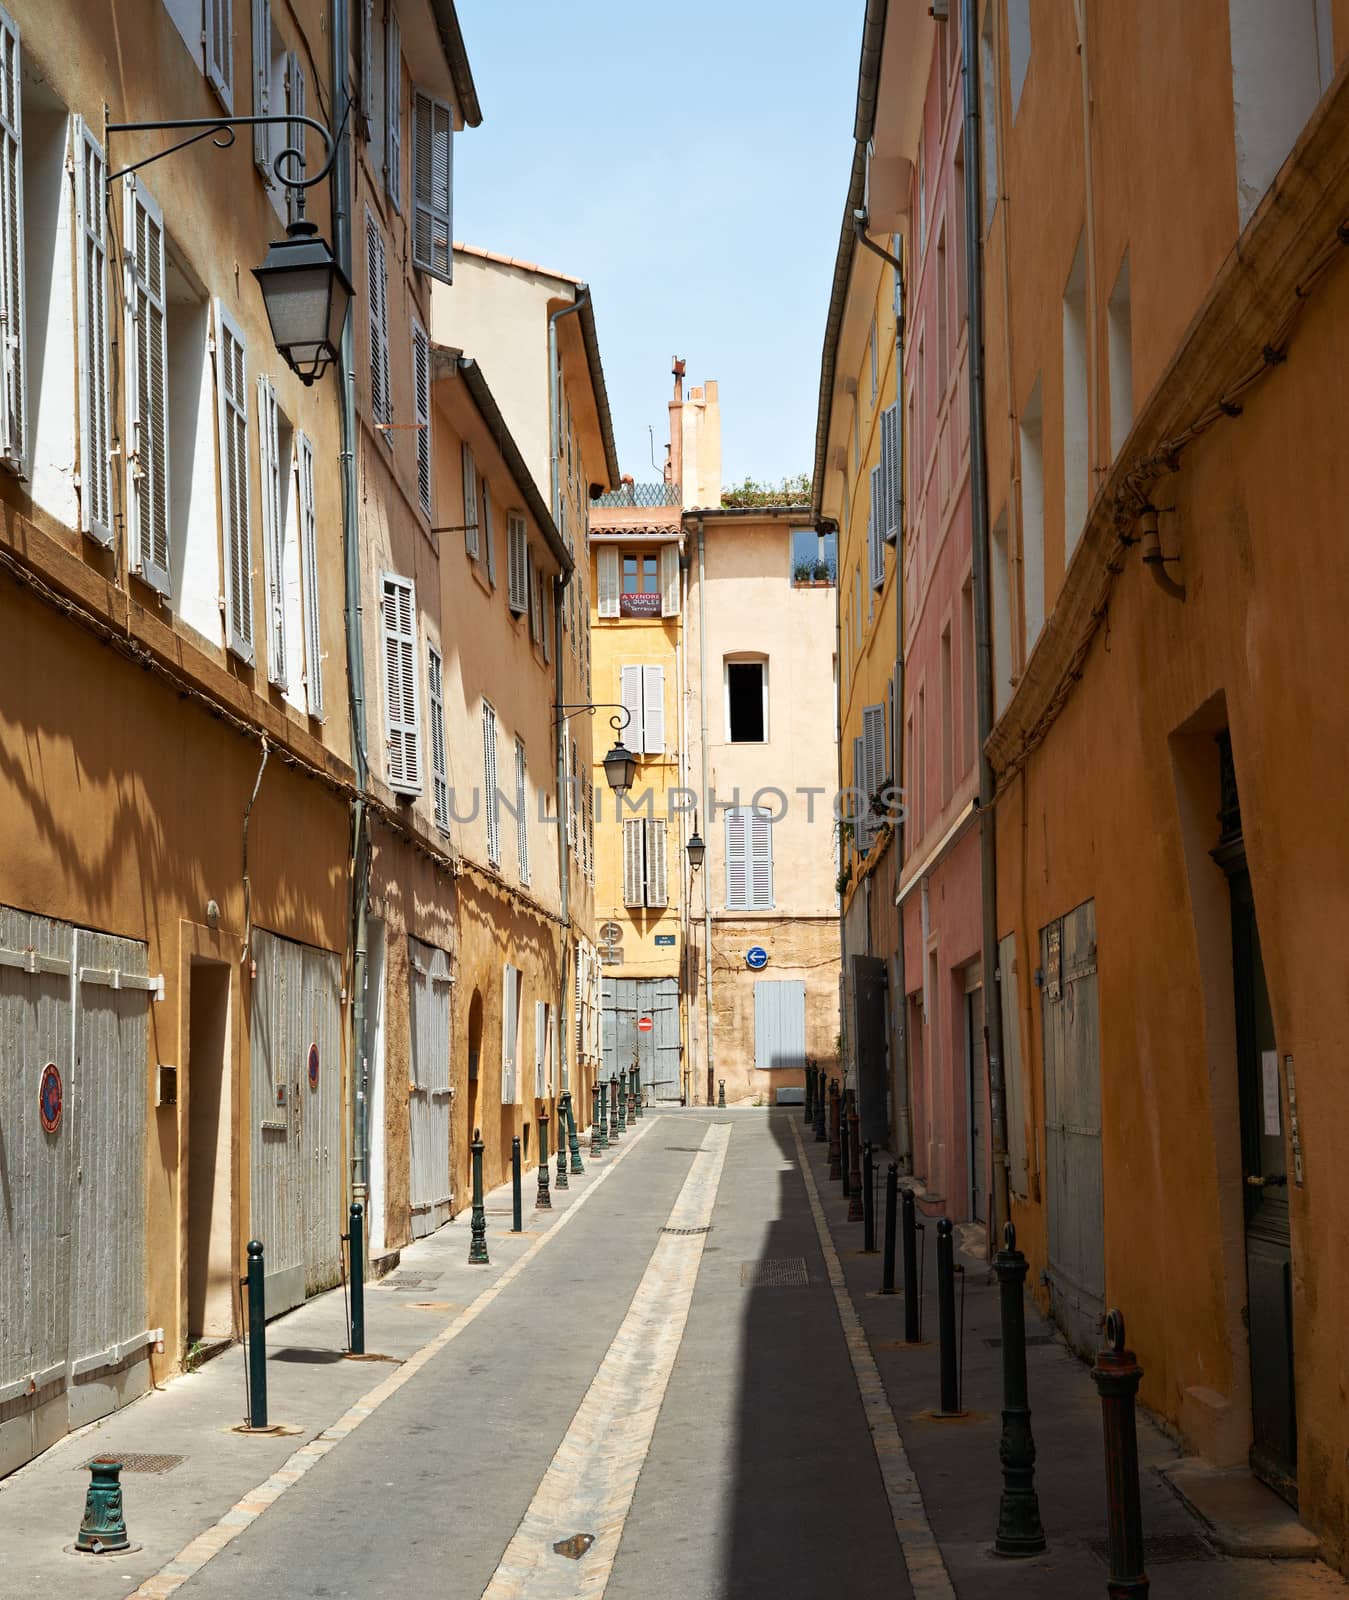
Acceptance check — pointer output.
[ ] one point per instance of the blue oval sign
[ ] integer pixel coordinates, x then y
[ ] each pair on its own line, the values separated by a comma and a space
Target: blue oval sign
756, 956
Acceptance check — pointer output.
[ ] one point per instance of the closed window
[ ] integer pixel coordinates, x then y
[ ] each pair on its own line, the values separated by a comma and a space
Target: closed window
440, 786
645, 863
749, 859
489, 784
510, 1035
747, 702
643, 693
402, 732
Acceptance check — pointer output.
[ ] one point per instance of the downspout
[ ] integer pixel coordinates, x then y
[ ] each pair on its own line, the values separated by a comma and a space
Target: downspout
352, 618
686, 869
988, 843
844, 1019
702, 727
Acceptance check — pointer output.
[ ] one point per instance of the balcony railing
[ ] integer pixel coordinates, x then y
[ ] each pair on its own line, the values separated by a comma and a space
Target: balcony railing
642, 494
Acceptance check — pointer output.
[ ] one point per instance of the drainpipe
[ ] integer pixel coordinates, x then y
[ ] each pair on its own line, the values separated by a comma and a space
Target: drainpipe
702, 725
352, 617
686, 871
988, 843
844, 1023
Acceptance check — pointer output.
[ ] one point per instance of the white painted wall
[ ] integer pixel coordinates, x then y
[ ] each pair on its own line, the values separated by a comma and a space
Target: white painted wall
194, 541
49, 306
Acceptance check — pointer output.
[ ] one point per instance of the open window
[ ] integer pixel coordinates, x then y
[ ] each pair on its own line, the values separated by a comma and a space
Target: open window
747, 700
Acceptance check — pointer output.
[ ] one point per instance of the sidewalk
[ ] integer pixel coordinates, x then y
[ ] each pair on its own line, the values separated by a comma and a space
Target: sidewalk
957, 1461
205, 1470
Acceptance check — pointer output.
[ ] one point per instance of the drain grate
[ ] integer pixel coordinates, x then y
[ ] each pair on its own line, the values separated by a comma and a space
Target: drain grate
784, 1272
1031, 1338
707, 1229
131, 1462
409, 1280
1163, 1549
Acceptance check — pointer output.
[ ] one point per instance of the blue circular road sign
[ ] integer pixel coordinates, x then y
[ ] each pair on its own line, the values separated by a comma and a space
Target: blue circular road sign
756, 956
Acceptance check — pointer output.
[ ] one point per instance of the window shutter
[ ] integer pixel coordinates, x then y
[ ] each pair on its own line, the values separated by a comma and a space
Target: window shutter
653, 710
295, 107
510, 1017
892, 486
570, 769
737, 860
470, 470
631, 696
634, 876
273, 533
232, 430
381, 395
861, 813
13, 401
875, 539
218, 20
309, 574
608, 580
432, 172
393, 111
421, 404
367, 102
488, 544
760, 859
657, 893
147, 388
440, 784
489, 776
578, 1001
402, 732
540, 1048
91, 278
517, 563
873, 741
262, 87
522, 811
669, 580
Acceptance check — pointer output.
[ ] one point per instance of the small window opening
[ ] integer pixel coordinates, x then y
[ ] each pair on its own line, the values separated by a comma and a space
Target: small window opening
745, 696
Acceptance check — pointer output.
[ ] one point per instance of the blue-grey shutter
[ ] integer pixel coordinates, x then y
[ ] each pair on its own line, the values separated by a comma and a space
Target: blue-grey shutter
13, 390
780, 1023
760, 854
432, 172
875, 542
737, 860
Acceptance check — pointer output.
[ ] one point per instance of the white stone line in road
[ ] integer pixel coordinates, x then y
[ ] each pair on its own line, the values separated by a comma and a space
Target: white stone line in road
922, 1554
193, 1556
589, 1484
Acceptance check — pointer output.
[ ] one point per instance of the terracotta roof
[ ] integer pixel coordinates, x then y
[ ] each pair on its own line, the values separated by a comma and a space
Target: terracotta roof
514, 261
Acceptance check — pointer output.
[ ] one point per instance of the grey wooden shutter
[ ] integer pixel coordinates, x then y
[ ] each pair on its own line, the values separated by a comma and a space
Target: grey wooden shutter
393, 110
630, 679
634, 874
892, 495
470, 474
517, 563
309, 574
737, 859
218, 42
540, 1049
262, 87
522, 811
760, 854
147, 387
91, 278
535, 603
488, 543
432, 174
779, 1023
367, 85
861, 800
402, 727
875, 539
273, 533
13, 391
232, 437
381, 395
295, 107
491, 810
873, 741
653, 710
421, 405
510, 1027
669, 580
657, 891
607, 561
440, 784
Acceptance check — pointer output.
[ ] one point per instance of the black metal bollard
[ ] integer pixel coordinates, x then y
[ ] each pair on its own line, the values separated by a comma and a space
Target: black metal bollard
821, 1132
856, 1212
946, 1319
356, 1274
477, 1249
835, 1142
257, 1338
1117, 1376
913, 1290
721, 1094
517, 1216
573, 1143
809, 1113
868, 1199
891, 1206
1019, 1530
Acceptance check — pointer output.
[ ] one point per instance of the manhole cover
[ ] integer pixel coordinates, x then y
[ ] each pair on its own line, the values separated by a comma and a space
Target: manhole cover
1031, 1338
1163, 1549
131, 1462
708, 1229
785, 1272
312, 1358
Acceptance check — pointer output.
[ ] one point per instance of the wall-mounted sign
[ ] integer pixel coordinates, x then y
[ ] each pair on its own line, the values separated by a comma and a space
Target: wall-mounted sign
645, 1024
665, 938
49, 1097
639, 605
756, 957
611, 933
313, 1066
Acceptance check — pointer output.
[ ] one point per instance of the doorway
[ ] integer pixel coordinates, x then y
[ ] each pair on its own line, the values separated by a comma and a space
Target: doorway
210, 1229
976, 1081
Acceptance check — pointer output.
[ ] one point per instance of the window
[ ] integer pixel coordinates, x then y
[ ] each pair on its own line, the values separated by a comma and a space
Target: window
606, 563
147, 390
814, 556
278, 88
749, 859
280, 541
1002, 617
510, 1034
231, 378
1282, 61
921, 774
947, 717
891, 482
381, 395
543, 1028
875, 530
195, 522
393, 111
13, 389
402, 731
489, 784
1018, 48
968, 667
521, 813
469, 472
218, 46
1033, 516
309, 575
943, 291
535, 604
922, 194
747, 702
958, 229
91, 276
988, 114
1120, 341
488, 544
432, 172
639, 574
779, 1023
440, 783
1076, 401
644, 863
869, 770
643, 697
517, 563
421, 405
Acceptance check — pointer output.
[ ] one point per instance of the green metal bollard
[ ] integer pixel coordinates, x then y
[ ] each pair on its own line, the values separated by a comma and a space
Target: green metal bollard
103, 1531
604, 1115
572, 1140
594, 1121
517, 1219
721, 1094
544, 1200
622, 1103
561, 1181
257, 1338
615, 1131
356, 1273
477, 1250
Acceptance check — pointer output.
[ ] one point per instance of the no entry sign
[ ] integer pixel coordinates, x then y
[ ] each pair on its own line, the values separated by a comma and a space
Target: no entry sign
644, 1024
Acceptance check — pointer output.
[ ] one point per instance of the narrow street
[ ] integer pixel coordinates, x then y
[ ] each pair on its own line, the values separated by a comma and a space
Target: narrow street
689, 1398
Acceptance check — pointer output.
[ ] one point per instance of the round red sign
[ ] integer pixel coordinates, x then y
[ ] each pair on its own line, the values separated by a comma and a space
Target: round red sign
49, 1097
644, 1024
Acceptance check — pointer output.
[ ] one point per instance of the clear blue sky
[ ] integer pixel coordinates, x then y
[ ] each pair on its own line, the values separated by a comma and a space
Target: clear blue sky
693, 171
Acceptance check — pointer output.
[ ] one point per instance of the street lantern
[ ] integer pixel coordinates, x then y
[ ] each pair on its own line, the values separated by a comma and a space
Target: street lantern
696, 850
620, 767
306, 295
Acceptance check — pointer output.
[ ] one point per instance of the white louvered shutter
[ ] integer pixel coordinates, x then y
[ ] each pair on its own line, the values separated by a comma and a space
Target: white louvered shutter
381, 397
295, 107
402, 727
634, 875
875, 537
91, 281
760, 858
491, 810
607, 561
421, 405
669, 580
657, 891
540, 1049
517, 563
631, 696
440, 783
147, 370
737, 860
535, 604
273, 533
569, 767
13, 347
262, 86
510, 1020
470, 472
862, 810
489, 551
653, 710
231, 376
309, 574
393, 111
578, 1000
522, 811
892, 456
432, 175
218, 42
